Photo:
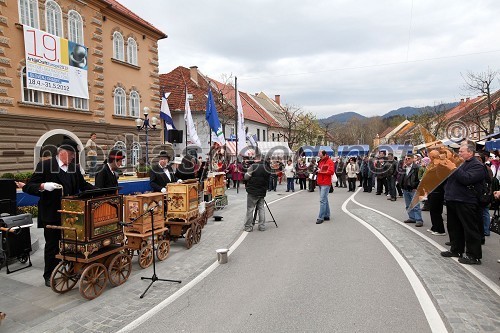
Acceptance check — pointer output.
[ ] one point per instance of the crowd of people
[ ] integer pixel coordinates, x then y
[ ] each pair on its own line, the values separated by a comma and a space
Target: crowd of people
464, 183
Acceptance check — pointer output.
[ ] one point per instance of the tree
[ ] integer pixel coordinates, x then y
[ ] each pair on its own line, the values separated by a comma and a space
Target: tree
432, 118
482, 83
292, 115
308, 130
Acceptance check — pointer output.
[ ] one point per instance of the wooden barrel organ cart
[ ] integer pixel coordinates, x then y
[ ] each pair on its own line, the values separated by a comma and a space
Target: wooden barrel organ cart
185, 215
215, 188
92, 248
139, 233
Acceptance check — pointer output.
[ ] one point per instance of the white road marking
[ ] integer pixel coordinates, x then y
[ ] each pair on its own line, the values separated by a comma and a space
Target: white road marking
433, 318
490, 284
160, 306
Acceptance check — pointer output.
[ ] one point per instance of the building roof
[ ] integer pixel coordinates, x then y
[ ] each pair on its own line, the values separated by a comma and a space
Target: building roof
387, 131
275, 110
118, 7
463, 108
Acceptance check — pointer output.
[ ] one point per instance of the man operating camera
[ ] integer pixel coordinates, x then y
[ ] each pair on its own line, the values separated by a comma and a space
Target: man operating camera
257, 180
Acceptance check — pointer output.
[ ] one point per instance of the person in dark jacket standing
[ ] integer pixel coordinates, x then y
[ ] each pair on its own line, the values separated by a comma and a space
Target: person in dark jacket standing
54, 178
461, 192
162, 173
409, 183
257, 178
107, 177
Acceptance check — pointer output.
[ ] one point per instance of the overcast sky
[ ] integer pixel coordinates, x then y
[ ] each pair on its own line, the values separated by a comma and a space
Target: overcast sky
332, 56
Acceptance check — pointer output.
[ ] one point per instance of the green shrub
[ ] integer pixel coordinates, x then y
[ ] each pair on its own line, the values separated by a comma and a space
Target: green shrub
33, 210
8, 175
23, 176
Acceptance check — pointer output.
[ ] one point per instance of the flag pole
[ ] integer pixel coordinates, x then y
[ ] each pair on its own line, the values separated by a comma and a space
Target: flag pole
185, 122
210, 146
164, 123
236, 122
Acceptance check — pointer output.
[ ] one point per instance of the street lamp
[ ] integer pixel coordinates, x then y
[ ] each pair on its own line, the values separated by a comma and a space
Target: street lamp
144, 124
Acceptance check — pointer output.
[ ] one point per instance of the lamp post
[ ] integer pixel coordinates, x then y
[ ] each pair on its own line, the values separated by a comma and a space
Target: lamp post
144, 124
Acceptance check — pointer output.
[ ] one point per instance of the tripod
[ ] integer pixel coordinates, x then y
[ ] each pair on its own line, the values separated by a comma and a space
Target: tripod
153, 278
268, 209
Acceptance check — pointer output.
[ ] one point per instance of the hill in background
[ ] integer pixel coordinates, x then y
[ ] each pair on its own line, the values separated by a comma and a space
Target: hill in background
406, 111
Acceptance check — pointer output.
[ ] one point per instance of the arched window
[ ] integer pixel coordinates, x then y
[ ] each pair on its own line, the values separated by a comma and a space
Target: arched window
132, 51
28, 13
75, 27
118, 46
30, 95
53, 18
135, 153
120, 145
135, 104
120, 102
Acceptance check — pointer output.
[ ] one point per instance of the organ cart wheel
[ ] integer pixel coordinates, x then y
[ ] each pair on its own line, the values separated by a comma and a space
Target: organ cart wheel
189, 238
163, 250
197, 233
93, 280
146, 257
144, 243
23, 259
119, 269
63, 277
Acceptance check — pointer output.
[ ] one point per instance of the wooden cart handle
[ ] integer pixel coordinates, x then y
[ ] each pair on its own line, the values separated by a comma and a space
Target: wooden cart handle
59, 227
70, 212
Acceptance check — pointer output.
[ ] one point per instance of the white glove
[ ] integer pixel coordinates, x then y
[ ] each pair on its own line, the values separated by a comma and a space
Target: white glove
179, 181
51, 186
163, 190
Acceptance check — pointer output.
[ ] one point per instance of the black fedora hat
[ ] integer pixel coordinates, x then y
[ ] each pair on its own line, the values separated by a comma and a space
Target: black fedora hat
163, 154
68, 144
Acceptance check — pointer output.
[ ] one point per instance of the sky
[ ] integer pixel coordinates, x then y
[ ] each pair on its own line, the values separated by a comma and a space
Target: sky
333, 56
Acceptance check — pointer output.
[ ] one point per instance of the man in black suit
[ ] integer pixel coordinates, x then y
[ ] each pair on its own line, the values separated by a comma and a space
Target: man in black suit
161, 174
107, 177
54, 178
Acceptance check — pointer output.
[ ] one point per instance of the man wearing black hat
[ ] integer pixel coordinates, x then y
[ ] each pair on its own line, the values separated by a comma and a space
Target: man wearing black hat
107, 177
161, 174
54, 178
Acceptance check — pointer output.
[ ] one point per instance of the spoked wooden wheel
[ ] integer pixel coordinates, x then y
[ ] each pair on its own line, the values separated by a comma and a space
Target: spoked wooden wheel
63, 277
93, 280
163, 250
197, 233
146, 257
119, 269
189, 238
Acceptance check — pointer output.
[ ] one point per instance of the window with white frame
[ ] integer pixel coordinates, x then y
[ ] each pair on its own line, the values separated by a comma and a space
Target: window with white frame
118, 46
53, 18
28, 13
134, 102
80, 103
58, 100
30, 95
75, 27
135, 153
120, 102
131, 51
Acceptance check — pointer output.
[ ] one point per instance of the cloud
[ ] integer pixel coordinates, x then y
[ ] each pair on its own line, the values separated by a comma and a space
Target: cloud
332, 56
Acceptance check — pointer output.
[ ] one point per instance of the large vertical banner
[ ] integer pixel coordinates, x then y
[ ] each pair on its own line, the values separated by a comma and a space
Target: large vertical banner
54, 64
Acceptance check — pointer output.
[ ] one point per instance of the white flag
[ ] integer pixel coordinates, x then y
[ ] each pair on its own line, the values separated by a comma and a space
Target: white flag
191, 129
242, 137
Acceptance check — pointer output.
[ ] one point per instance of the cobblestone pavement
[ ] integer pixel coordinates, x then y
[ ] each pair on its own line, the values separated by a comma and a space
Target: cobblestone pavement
465, 303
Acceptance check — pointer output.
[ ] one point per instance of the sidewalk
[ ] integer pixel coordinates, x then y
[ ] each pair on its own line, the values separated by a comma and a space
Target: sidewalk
32, 307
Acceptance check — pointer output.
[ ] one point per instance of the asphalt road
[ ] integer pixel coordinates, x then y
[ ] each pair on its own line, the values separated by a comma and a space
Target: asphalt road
300, 277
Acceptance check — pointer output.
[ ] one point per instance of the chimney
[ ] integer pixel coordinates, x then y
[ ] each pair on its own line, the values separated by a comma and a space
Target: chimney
277, 99
461, 101
193, 72
467, 99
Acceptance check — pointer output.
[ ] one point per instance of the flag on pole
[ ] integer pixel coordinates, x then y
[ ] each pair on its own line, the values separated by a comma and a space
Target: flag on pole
191, 129
252, 139
213, 120
242, 137
165, 113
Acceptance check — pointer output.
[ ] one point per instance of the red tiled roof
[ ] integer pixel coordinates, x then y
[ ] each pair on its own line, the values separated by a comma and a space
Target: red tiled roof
462, 108
118, 7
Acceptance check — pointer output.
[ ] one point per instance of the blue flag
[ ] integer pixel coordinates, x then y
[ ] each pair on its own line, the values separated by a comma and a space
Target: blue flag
213, 120
165, 114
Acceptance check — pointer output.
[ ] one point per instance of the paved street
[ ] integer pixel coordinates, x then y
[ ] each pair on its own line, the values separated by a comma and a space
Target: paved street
361, 272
